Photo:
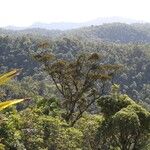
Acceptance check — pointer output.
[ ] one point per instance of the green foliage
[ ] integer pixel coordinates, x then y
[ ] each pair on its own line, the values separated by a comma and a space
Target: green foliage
40, 124
3, 79
126, 124
28, 130
58, 136
48, 107
89, 125
17, 52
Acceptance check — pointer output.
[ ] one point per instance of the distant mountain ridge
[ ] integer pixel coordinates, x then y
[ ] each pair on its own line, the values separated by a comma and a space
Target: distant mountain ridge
70, 25
115, 32
108, 32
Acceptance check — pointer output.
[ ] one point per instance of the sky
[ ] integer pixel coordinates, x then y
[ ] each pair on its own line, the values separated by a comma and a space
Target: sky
26, 12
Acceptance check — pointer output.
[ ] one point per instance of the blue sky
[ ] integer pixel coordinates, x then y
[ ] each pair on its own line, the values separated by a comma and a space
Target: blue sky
26, 12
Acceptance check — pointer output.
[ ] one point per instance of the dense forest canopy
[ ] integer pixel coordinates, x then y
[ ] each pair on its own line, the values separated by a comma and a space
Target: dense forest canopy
88, 88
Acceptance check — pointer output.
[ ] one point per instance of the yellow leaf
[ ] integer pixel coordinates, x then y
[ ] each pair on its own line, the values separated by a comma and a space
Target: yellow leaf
6, 104
9, 75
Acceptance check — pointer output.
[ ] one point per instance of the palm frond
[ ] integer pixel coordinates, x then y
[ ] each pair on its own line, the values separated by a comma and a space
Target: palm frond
9, 75
6, 104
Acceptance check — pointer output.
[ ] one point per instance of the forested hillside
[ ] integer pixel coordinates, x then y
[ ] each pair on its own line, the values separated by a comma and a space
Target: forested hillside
88, 88
113, 32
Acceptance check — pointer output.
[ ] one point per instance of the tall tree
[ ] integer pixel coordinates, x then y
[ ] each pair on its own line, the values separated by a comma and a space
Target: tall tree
126, 125
80, 82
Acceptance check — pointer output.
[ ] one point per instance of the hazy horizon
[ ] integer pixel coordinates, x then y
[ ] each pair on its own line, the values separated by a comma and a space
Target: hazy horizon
24, 13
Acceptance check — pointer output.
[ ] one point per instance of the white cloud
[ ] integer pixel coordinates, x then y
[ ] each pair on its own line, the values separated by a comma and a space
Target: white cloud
25, 12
